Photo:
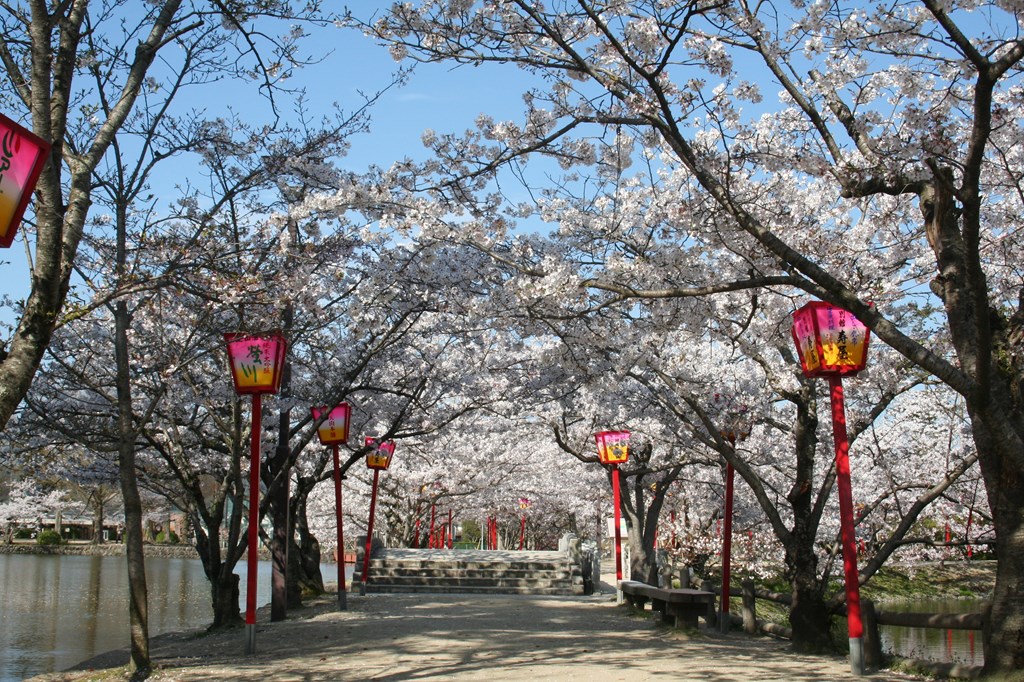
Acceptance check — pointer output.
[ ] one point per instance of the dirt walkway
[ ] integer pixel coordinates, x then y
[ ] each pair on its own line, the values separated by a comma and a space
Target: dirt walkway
462, 637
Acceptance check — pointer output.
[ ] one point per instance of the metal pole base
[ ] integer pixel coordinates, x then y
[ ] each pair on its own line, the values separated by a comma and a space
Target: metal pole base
250, 638
856, 656
362, 589
723, 621
342, 600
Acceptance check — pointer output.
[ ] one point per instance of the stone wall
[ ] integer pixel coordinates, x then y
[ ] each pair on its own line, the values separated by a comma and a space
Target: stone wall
107, 549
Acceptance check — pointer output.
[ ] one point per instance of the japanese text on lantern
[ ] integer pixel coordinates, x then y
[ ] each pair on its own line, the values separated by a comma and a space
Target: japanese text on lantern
829, 340
22, 156
613, 446
379, 457
841, 338
803, 332
334, 429
255, 362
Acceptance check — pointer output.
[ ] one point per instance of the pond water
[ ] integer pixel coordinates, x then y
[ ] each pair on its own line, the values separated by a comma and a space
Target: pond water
933, 644
60, 610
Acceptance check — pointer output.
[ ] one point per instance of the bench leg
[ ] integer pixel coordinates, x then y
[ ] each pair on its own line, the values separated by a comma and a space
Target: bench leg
685, 616
637, 602
686, 619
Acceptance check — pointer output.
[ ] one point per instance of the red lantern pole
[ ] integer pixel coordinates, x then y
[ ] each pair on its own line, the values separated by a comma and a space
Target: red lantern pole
369, 530
342, 594
451, 530
842, 444
723, 622
618, 522
254, 520
432, 543
522, 532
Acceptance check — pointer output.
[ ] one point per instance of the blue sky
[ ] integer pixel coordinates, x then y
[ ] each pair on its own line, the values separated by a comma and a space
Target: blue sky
437, 97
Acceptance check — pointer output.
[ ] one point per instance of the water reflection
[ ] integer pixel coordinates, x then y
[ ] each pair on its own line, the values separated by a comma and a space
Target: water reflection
934, 644
61, 610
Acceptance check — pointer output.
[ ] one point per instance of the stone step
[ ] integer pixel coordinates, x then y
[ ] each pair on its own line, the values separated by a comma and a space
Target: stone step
464, 571
471, 582
382, 588
472, 571
427, 564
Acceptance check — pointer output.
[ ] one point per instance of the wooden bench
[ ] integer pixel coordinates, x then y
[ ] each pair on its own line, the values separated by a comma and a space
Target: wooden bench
681, 606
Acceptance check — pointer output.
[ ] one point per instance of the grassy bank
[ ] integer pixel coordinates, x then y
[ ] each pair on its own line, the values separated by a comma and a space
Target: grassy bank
958, 579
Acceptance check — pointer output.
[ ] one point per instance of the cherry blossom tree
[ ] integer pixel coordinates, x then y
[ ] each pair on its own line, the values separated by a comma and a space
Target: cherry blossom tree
82, 86
889, 149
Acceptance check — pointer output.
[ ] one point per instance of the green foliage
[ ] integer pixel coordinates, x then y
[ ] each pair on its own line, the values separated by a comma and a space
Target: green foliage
470, 532
162, 539
49, 537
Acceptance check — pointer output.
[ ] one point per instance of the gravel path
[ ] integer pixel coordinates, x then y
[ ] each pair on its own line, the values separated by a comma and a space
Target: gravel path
463, 637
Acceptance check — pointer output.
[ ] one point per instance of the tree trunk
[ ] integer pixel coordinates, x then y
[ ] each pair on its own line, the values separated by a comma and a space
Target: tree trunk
138, 608
642, 559
224, 596
642, 515
808, 613
280, 542
97, 521
988, 346
1004, 634
308, 578
224, 582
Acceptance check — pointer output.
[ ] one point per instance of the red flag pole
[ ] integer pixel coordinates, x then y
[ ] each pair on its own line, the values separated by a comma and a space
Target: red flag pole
618, 532
342, 594
851, 575
369, 530
432, 543
723, 623
254, 521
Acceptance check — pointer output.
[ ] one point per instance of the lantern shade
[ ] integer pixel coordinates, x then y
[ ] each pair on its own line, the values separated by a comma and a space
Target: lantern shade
612, 446
379, 457
22, 157
334, 428
829, 340
256, 361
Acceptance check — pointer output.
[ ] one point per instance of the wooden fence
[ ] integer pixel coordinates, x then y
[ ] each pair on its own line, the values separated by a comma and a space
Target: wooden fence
872, 617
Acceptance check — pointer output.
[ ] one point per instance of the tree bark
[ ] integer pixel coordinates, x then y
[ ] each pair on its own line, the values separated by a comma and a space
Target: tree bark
138, 607
308, 577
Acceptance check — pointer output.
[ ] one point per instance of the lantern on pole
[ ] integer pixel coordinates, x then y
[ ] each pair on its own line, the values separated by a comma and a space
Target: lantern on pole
22, 157
833, 343
613, 449
733, 424
333, 431
378, 459
257, 363
524, 504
